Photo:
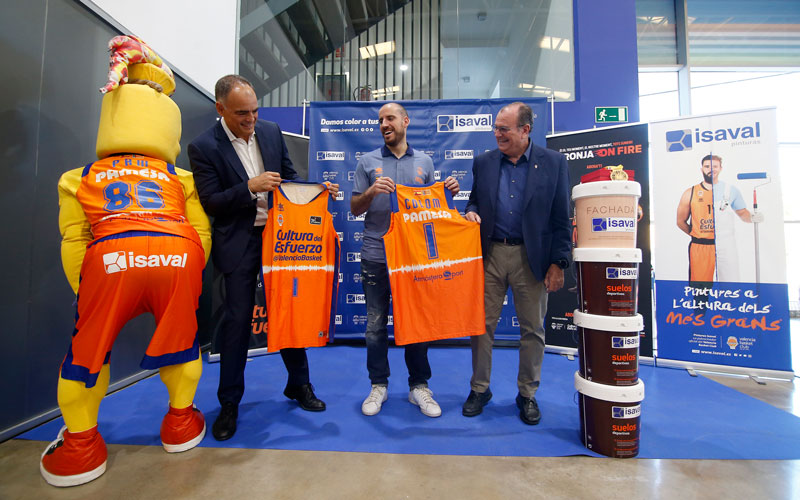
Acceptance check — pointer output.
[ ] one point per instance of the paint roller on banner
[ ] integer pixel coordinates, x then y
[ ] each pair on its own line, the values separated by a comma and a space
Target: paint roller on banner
756, 216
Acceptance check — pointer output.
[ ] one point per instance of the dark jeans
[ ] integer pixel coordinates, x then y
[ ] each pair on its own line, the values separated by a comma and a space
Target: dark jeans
234, 332
375, 279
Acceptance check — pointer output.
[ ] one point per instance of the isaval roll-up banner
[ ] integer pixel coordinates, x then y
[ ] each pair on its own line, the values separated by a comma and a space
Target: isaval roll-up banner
623, 148
720, 270
451, 132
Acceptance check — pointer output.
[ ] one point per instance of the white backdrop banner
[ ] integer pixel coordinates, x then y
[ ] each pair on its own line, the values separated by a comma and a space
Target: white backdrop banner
720, 271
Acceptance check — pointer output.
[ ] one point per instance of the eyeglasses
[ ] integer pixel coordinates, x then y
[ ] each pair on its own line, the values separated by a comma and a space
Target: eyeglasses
505, 130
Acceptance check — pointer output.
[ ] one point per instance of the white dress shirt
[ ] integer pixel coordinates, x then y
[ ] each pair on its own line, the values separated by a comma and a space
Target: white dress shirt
250, 156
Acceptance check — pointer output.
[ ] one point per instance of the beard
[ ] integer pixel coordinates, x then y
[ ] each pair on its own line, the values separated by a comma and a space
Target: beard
708, 177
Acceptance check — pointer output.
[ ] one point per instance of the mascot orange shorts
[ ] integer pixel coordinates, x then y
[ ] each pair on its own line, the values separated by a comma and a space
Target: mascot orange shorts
123, 276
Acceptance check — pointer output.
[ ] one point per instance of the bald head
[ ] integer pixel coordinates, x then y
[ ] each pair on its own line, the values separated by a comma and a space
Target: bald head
393, 120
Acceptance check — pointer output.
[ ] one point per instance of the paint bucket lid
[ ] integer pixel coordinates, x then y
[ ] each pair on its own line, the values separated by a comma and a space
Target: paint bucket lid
608, 323
607, 188
607, 255
611, 393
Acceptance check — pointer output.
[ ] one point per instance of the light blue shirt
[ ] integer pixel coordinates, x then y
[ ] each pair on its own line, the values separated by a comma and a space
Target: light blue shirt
414, 168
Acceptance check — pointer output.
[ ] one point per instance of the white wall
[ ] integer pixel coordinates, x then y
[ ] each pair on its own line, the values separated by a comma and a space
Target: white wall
196, 37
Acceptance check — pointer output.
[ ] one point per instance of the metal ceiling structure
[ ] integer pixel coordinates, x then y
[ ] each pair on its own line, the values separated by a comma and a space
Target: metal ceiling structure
278, 39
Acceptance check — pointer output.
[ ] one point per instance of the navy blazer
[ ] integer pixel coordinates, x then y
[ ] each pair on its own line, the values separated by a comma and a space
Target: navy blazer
546, 228
221, 182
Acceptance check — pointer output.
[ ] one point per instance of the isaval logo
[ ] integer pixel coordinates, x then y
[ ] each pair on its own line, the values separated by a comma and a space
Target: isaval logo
626, 411
355, 218
340, 234
458, 154
679, 140
341, 277
330, 155
339, 196
355, 298
624, 342
353, 256
116, 262
338, 319
437, 175
464, 123
620, 224
683, 140
621, 273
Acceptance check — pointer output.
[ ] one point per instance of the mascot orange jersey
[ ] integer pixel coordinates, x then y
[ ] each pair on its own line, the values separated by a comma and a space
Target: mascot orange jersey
435, 267
128, 202
133, 192
300, 259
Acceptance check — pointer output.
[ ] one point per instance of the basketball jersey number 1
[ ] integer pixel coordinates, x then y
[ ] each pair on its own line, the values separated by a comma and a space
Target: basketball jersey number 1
430, 241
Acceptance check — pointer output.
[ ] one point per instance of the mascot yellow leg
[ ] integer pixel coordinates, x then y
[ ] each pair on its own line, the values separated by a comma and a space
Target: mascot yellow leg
78, 455
183, 426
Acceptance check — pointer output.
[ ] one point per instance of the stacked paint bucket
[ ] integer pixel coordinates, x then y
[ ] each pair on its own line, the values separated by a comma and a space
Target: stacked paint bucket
607, 261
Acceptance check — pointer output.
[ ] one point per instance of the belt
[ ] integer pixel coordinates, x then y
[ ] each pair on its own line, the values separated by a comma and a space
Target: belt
702, 241
508, 241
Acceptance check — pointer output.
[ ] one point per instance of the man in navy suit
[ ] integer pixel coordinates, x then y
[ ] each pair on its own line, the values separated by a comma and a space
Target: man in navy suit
236, 163
520, 197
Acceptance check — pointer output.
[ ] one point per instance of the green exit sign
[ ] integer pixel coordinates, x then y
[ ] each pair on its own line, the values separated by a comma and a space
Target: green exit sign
612, 114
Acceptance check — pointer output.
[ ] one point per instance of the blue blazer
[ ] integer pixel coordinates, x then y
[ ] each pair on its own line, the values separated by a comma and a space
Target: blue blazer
546, 227
221, 182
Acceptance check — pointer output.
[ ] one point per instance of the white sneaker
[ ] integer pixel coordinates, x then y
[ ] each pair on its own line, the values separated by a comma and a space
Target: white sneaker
377, 396
423, 397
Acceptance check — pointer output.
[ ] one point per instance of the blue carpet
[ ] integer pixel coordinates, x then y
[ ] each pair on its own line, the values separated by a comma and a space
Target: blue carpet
682, 416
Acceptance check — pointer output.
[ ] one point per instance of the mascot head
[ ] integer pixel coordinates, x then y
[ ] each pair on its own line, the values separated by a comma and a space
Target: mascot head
137, 114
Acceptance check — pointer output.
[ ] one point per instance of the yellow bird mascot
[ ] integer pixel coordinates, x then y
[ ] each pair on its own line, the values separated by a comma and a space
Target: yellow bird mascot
134, 239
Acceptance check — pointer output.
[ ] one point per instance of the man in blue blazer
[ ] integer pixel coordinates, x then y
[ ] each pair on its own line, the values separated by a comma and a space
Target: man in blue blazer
520, 197
236, 163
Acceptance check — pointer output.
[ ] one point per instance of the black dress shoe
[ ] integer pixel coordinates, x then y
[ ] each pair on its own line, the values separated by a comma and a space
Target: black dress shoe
304, 394
225, 424
475, 403
528, 410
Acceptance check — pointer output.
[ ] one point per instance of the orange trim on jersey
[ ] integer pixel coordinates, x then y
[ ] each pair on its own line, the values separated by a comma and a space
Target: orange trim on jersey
435, 267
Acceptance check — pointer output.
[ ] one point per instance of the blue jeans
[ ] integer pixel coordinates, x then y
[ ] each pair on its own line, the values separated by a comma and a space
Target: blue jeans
375, 279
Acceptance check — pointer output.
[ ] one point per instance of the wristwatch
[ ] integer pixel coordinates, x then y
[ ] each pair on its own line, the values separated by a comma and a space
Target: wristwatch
562, 263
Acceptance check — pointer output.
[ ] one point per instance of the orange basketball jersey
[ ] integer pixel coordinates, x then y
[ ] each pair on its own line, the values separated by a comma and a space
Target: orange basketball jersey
435, 267
300, 264
133, 193
701, 208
